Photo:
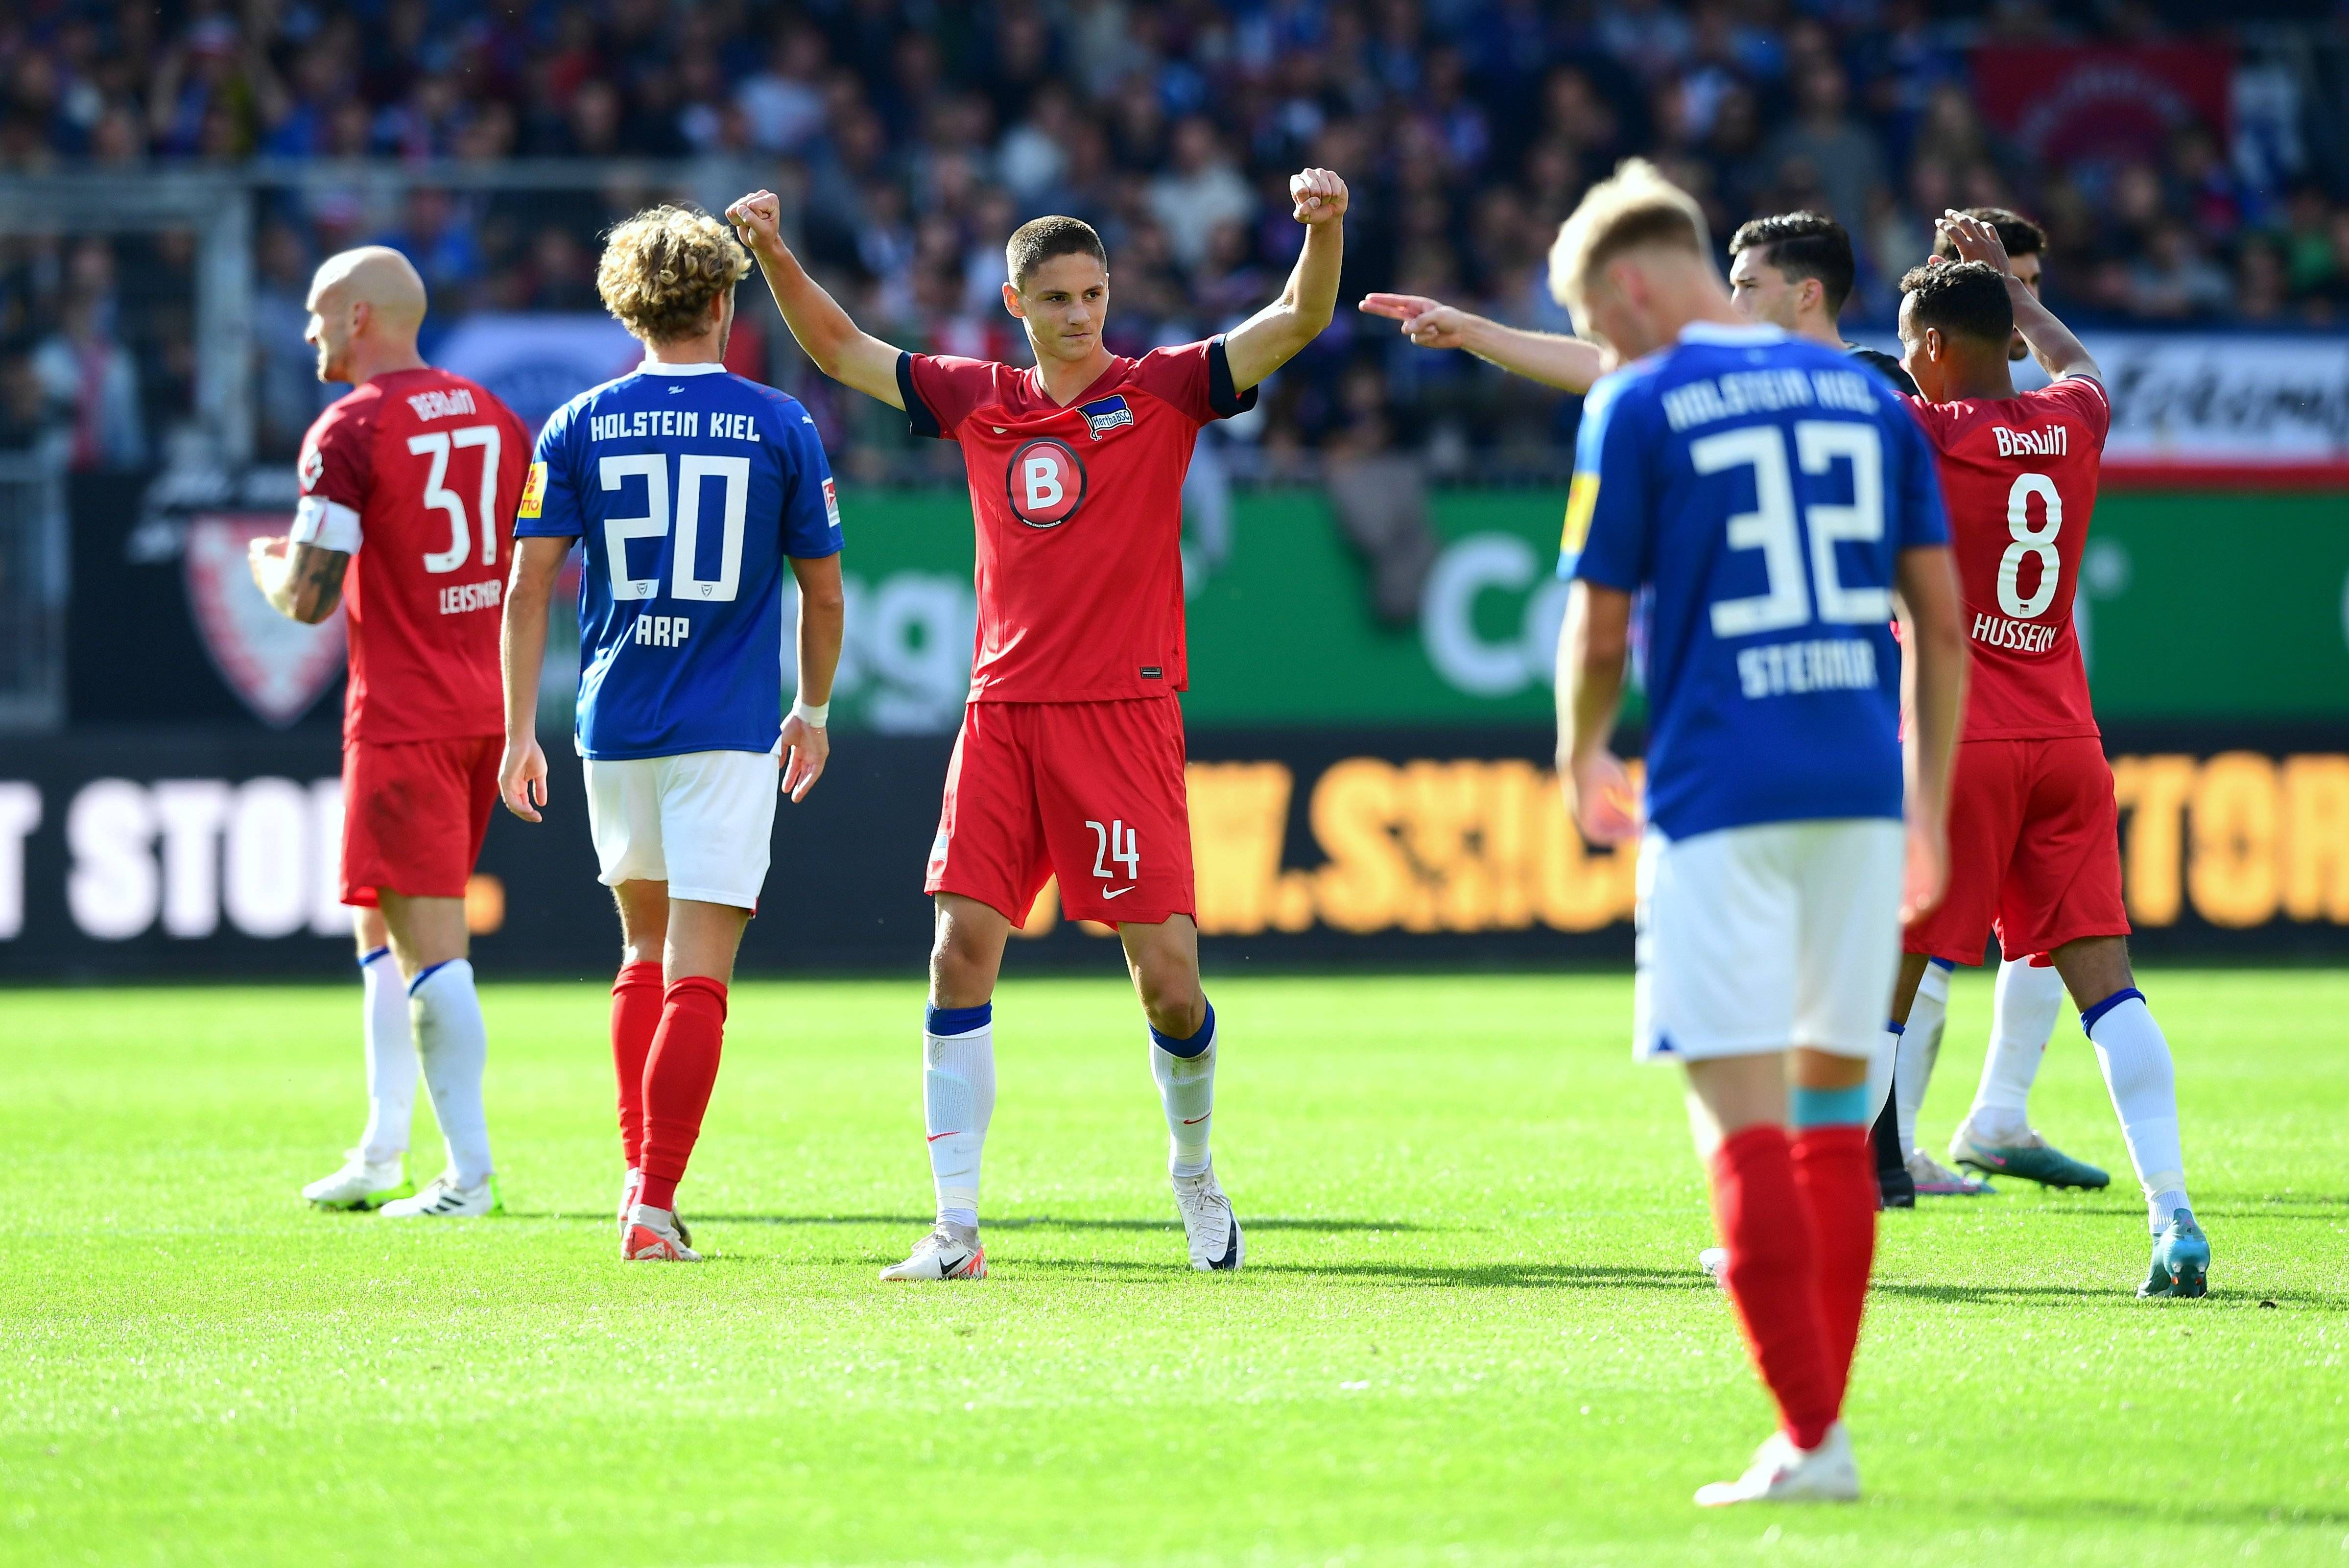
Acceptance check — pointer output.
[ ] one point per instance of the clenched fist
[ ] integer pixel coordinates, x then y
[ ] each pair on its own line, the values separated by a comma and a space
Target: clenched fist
756, 218
1320, 195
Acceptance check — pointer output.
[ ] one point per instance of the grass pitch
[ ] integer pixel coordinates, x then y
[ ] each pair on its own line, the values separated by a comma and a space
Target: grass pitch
1470, 1331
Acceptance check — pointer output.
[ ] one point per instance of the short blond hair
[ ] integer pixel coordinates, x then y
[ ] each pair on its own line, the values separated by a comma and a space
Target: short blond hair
661, 269
1634, 209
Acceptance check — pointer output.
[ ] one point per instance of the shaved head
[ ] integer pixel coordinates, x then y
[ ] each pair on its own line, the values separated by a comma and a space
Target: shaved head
366, 305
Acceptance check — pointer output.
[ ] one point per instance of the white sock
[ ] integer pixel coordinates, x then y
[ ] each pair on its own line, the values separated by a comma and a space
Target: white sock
1880, 1072
1920, 1047
390, 1060
1187, 1087
2024, 1014
958, 1102
2135, 1061
454, 1046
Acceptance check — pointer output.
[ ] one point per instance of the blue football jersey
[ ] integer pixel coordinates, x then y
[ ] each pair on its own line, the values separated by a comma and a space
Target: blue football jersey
692, 488
1759, 489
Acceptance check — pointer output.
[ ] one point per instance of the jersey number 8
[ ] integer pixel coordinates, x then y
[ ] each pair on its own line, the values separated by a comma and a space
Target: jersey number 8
1771, 528
436, 445
692, 469
2030, 541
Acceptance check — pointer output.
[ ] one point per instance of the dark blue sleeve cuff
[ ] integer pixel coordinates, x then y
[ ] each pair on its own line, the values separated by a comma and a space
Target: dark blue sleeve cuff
1222, 396
919, 419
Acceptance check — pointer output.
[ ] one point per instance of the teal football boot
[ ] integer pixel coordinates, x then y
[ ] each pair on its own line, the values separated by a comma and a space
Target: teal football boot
2181, 1259
2032, 1158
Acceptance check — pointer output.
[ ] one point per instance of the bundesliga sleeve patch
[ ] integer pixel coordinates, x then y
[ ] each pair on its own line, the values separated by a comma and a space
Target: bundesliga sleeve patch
1581, 500
535, 488
831, 505
1105, 414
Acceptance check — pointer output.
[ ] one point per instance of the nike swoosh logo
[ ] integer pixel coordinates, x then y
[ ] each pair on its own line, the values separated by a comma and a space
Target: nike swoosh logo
1120, 893
1194, 1121
935, 1136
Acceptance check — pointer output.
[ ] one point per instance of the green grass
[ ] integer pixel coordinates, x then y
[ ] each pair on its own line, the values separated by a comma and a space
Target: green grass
1470, 1331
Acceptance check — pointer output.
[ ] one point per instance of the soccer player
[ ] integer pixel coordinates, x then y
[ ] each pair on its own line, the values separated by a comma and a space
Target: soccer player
692, 488
1996, 1137
1794, 271
1763, 498
1071, 757
423, 469
2032, 823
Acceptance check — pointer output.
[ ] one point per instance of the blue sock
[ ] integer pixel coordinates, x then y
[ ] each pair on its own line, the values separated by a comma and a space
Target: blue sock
1827, 1108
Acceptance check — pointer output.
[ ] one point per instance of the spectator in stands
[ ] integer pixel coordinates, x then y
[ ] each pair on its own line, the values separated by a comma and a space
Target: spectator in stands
1824, 150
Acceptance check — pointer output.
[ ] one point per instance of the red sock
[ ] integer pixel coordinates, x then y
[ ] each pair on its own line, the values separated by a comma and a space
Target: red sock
636, 1014
1770, 1275
678, 1078
1834, 1171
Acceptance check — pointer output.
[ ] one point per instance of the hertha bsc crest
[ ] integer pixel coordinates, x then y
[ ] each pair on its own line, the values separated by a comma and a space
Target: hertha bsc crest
1105, 414
277, 667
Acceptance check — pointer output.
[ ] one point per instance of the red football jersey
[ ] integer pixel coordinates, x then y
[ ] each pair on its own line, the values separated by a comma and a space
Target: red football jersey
1079, 516
417, 474
2019, 477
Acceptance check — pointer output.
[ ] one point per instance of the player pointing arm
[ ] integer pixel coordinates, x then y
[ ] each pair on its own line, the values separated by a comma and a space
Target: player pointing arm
1569, 364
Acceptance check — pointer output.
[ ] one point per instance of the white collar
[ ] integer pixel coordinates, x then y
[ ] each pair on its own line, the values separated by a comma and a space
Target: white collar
662, 368
1721, 332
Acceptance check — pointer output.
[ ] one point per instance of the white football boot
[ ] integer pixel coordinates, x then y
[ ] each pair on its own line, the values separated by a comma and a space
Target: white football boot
1208, 1222
655, 1236
361, 1183
949, 1252
1935, 1179
1782, 1473
1714, 1261
442, 1199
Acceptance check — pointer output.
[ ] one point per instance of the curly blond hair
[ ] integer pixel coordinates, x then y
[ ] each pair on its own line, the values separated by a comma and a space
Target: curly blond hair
661, 269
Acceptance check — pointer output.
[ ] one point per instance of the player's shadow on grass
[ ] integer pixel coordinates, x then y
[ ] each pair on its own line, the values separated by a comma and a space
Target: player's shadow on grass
1466, 1276
2232, 1298
1022, 1223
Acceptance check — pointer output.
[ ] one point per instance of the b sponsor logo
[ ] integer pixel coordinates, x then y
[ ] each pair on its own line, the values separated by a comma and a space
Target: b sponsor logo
1045, 483
277, 667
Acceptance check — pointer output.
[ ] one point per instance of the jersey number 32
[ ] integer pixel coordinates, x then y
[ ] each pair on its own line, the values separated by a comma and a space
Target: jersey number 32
1771, 526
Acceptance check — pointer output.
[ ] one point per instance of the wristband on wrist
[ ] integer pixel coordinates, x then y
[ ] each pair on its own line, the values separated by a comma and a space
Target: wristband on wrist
812, 714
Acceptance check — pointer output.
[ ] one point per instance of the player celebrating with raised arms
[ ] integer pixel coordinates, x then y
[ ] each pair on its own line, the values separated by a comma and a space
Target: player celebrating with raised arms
2034, 827
1765, 497
1071, 757
693, 489
421, 468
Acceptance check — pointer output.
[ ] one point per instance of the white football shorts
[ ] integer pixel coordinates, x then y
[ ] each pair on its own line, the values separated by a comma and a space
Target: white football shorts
700, 822
1763, 938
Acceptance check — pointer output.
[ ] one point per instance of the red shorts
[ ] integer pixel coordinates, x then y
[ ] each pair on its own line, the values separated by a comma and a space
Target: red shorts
1091, 791
2035, 851
414, 814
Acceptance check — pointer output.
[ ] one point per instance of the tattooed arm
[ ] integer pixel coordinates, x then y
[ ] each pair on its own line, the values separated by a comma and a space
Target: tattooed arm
302, 582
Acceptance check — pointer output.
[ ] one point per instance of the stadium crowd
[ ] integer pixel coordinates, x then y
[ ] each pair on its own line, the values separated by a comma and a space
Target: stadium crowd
915, 135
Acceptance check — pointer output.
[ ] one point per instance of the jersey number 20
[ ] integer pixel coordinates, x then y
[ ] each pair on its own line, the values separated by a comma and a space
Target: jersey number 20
1771, 528
685, 580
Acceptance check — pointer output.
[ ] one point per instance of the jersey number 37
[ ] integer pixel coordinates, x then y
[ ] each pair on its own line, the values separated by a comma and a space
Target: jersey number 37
1771, 527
